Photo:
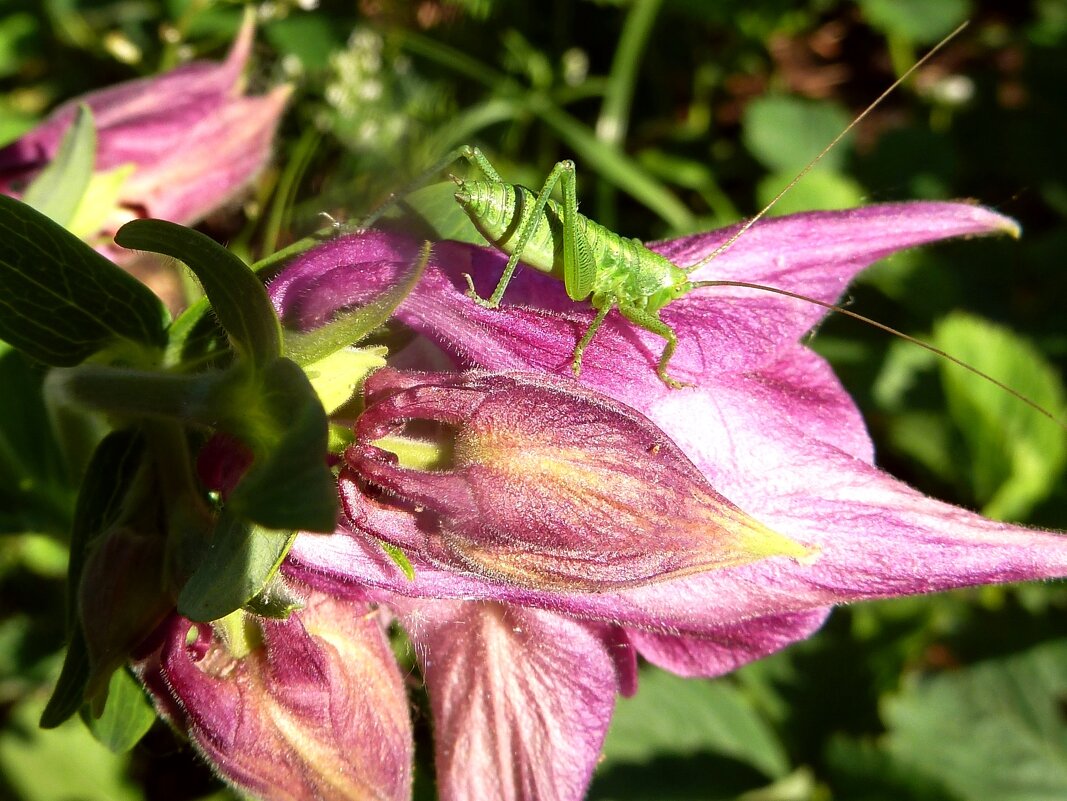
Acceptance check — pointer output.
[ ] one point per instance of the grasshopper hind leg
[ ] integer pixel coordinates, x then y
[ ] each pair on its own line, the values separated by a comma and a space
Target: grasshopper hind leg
651, 322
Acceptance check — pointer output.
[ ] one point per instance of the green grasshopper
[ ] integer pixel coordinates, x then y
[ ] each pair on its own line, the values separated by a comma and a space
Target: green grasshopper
610, 270
595, 263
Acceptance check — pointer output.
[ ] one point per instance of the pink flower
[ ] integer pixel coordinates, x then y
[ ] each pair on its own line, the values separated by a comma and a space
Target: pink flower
527, 617
190, 138
306, 708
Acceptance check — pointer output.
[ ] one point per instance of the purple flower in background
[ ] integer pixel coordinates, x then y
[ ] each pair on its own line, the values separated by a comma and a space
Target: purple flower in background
190, 138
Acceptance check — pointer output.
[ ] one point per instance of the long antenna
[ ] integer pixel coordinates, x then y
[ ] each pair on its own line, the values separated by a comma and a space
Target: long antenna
729, 243
906, 337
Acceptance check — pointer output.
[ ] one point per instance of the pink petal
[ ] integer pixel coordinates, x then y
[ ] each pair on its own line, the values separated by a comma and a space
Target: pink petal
318, 711
719, 652
521, 699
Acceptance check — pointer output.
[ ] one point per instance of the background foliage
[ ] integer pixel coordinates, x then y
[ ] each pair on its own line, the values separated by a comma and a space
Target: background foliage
681, 114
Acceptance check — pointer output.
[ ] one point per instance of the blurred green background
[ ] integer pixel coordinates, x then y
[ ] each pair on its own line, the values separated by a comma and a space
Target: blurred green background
682, 115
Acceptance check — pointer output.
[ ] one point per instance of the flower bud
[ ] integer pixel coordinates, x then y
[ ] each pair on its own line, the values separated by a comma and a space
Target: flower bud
121, 600
309, 708
550, 486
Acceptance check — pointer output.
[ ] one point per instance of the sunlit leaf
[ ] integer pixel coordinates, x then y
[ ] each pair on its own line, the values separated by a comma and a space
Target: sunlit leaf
58, 190
717, 719
991, 732
785, 133
240, 559
236, 294
127, 716
1016, 455
63, 301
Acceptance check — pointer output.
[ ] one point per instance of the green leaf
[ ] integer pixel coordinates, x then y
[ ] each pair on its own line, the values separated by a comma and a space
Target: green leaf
35, 494
1016, 455
917, 21
820, 189
62, 301
717, 718
237, 564
435, 205
107, 480
127, 716
992, 732
69, 694
786, 133
237, 296
289, 485
58, 189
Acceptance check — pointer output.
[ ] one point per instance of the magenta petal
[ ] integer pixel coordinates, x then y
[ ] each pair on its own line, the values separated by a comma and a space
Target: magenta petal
721, 330
550, 485
719, 652
521, 699
318, 711
217, 157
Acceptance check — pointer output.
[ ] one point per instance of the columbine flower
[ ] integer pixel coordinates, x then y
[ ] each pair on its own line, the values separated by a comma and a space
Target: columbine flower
307, 708
523, 652
181, 144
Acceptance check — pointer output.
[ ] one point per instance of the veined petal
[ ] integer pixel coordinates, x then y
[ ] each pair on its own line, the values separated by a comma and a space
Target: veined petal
521, 699
720, 330
316, 711
720, 651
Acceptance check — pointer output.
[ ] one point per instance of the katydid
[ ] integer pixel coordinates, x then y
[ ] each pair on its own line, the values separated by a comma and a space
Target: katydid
595, 263
613, 271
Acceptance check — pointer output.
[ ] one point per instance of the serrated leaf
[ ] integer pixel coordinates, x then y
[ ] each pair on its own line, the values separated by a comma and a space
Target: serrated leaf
127, 716
62, 301
289, 485
237, 296
239, 561
58, 190
991, 732
672, 716
1016, 455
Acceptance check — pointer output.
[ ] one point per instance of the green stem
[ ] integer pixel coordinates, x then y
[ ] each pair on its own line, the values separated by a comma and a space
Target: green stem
611, 162
188, 398
614, 120
615, 112
288, 182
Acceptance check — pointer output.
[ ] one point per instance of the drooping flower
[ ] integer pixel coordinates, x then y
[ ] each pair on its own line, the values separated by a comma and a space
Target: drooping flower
520, 671
181, 144
306, 708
